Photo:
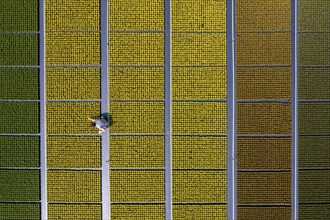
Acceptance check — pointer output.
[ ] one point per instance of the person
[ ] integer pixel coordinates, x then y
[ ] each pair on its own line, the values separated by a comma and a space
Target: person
101, 124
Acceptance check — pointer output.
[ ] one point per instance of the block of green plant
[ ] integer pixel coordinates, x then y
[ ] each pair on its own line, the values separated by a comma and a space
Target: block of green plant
19, 117
314, 186
314, 17
19, 151
314, 118
19, 83
14, 211
19, 185
18, 15
314, 211
314, 83
314, 151
19, 49
313, 49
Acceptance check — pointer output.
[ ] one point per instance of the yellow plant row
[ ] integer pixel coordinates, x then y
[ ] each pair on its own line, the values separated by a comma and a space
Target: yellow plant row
73, 186
180, 212
198, 15
73, 83
264, 187
263, 48
314, 49
199, 152
199, 186
198, 49
136, 49
136, 15
136, 83
199, 117
264, 118
259, 15
188, 83
137, 212
74, 211
264, 212
199, 211
264, 83
71, 117
264, 153
62, 15
137, 151
199, 83
137, 117
72, 48
73, 152
137, 186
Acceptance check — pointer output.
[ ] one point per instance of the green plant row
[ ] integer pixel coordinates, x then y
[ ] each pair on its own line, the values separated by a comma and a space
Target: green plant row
314, 83
314, 186
314, 118
19, 151
18, 16
14, 211
19, 49
19, 117
19, 83
19, 185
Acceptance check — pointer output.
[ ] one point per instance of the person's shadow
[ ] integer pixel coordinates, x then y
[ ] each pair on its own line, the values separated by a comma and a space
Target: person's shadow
105, 116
